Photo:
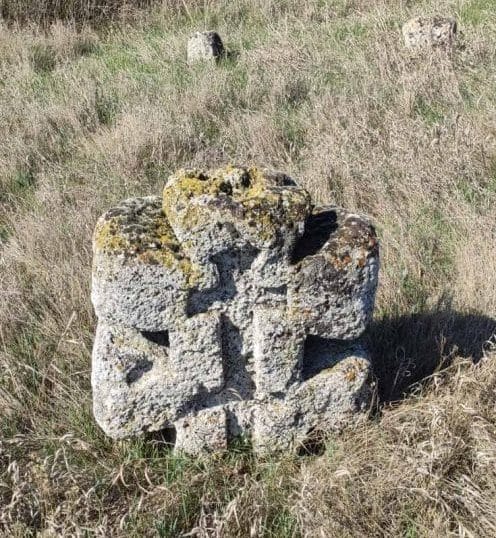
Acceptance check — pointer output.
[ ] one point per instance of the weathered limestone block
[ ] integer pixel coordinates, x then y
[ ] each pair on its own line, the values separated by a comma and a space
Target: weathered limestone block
144, 380
237, 211
335, 272
326, 402
132, 382
435, 31
278, 347
205, 46
231, 307
136, 254
203, 431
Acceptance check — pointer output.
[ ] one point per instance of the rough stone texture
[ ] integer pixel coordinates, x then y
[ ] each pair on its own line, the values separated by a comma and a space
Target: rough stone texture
231, 307
435, 31
205, 46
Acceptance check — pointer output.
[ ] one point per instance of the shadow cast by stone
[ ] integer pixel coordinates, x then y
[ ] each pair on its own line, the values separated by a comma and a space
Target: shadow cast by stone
318, 229
407, 349
229, 265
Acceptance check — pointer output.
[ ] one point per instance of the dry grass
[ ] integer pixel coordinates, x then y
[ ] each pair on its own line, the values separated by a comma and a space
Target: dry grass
44, 12
325, 91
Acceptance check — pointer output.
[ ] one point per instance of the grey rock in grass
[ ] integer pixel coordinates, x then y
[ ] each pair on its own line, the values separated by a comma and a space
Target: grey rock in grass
231, 307
430, 31
205, 46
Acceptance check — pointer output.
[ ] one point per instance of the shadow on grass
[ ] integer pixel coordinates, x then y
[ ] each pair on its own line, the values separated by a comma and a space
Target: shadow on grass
407, 349
229, 57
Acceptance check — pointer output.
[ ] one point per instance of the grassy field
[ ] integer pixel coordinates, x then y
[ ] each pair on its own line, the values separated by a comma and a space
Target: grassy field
324, 90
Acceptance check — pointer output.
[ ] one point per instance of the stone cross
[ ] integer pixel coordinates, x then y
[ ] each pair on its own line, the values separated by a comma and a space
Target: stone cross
229, 307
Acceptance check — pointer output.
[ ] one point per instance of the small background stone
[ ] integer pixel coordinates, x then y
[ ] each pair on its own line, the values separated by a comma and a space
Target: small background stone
433, 31
205, 46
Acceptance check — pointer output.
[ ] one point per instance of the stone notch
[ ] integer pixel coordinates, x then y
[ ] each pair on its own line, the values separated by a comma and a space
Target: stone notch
205, 46
433, 31
231, 307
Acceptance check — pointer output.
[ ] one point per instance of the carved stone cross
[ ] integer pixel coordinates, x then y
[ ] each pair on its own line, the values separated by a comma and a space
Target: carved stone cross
231, 307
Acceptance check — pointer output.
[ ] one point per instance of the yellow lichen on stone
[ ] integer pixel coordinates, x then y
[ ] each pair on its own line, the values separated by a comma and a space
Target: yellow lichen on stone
150, 240
351, 375
190, 183
248, 196
106, 237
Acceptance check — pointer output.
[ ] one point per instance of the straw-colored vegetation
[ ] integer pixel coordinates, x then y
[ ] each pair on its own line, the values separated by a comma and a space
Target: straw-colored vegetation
324, 90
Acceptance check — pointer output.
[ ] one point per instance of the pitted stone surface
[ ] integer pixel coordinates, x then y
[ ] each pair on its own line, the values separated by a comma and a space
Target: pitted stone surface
141, 275
435, 31
205, 46
231, 306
